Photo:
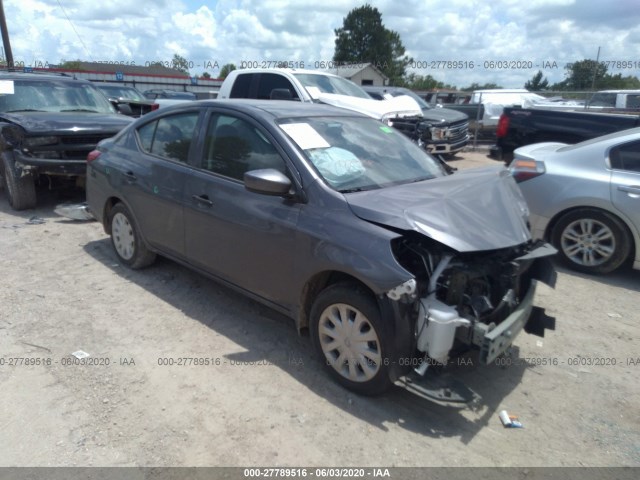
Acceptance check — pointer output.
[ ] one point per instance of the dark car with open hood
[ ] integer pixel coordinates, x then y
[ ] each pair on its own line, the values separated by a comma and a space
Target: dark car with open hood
336, 220
48, 125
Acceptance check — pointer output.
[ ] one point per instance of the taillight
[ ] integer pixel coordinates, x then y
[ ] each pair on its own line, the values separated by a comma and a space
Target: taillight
155, 106
503, 126
522, 170
93, 154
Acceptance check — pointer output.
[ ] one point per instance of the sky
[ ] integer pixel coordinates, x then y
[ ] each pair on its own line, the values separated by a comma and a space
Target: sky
458, 42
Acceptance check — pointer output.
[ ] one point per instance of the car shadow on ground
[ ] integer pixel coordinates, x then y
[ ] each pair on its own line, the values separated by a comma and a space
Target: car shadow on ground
271, 337
47, 201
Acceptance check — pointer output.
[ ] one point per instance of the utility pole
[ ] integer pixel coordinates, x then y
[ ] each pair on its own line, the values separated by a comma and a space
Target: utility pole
595, 69
5, 37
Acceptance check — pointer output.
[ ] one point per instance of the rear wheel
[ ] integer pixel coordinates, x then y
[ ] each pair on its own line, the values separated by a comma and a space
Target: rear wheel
591, 241
126, 239
20, 189
347, 332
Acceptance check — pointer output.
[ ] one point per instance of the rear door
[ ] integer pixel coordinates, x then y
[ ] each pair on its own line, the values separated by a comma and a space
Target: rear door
246, 238
153, 182
625, 179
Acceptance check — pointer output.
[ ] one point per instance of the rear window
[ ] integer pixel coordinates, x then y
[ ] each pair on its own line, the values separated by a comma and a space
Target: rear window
603, 100
626, 157
241, 86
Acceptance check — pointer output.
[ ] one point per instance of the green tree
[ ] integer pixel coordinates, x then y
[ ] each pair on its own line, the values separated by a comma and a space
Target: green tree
205, 75
364, 39
477, 86
618, 82
537, 83
180, 63
226, 69
427, 82
580, 75
70, 64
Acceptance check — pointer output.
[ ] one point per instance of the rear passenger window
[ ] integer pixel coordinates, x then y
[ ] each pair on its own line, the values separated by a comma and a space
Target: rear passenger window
170, 136
234, 146
626, 157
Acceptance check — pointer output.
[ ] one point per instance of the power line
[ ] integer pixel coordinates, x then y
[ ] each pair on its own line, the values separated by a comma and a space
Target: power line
74, 29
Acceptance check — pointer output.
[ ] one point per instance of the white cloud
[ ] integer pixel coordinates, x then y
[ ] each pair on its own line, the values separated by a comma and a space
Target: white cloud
539, 31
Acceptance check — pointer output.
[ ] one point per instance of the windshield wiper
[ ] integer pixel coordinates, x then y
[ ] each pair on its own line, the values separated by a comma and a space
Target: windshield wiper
24, 110
421, 179
79, 110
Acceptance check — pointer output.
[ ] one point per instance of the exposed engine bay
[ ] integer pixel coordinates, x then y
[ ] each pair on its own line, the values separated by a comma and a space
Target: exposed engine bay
478, 300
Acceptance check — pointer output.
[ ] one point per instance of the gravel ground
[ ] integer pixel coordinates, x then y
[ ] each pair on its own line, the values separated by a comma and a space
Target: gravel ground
264, 398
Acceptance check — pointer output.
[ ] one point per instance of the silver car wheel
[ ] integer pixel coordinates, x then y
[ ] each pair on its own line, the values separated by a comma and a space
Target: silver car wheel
588, 242
123, 238
349, 342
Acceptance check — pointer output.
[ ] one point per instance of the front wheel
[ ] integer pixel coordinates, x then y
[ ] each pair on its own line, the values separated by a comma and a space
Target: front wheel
591, 241
347, 331
20, 189
126, 239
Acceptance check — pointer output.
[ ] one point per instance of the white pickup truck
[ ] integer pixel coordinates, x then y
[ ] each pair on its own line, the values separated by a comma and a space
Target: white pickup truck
401, 111
618, 99
313, 86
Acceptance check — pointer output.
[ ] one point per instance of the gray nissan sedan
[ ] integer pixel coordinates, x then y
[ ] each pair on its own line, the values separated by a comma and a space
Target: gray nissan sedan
338, 221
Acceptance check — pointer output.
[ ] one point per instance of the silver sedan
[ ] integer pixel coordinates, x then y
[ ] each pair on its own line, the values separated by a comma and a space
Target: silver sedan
585, 198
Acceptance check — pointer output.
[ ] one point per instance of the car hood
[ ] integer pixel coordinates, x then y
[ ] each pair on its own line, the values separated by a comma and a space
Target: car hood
444, 115
403, 105
56, 123
472, 210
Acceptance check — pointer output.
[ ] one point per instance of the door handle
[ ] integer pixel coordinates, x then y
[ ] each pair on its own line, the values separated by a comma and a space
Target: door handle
202, 199
634, 189
130, 176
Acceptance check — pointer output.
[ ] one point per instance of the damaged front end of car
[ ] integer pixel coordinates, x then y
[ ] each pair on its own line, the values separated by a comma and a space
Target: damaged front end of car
465, 240
471, 300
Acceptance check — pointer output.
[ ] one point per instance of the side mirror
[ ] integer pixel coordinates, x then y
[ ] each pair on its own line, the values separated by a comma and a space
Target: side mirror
268, 181
124, 109
281, 94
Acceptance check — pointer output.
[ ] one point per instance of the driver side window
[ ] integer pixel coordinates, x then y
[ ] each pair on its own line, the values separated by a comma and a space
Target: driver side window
233, 146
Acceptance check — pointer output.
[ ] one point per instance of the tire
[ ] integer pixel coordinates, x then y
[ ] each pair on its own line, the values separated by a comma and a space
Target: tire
126, 239
591, 241
363, 339
20, 190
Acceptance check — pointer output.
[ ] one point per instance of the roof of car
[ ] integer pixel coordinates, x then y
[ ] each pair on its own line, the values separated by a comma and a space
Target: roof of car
289, 71
13, 75
272, 108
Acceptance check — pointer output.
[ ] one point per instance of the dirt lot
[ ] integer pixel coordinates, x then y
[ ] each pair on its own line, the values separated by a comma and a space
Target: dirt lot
264, 399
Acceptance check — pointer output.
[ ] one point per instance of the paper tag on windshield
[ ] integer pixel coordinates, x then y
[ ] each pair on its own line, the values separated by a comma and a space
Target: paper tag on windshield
6, 87
304, 135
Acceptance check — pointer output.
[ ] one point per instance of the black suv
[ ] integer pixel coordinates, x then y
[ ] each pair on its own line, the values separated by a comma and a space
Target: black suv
440, 131
48, 125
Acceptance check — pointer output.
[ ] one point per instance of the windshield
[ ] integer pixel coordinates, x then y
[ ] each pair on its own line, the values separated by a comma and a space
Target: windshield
122, 92
54, 96
331, 84
354, 154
